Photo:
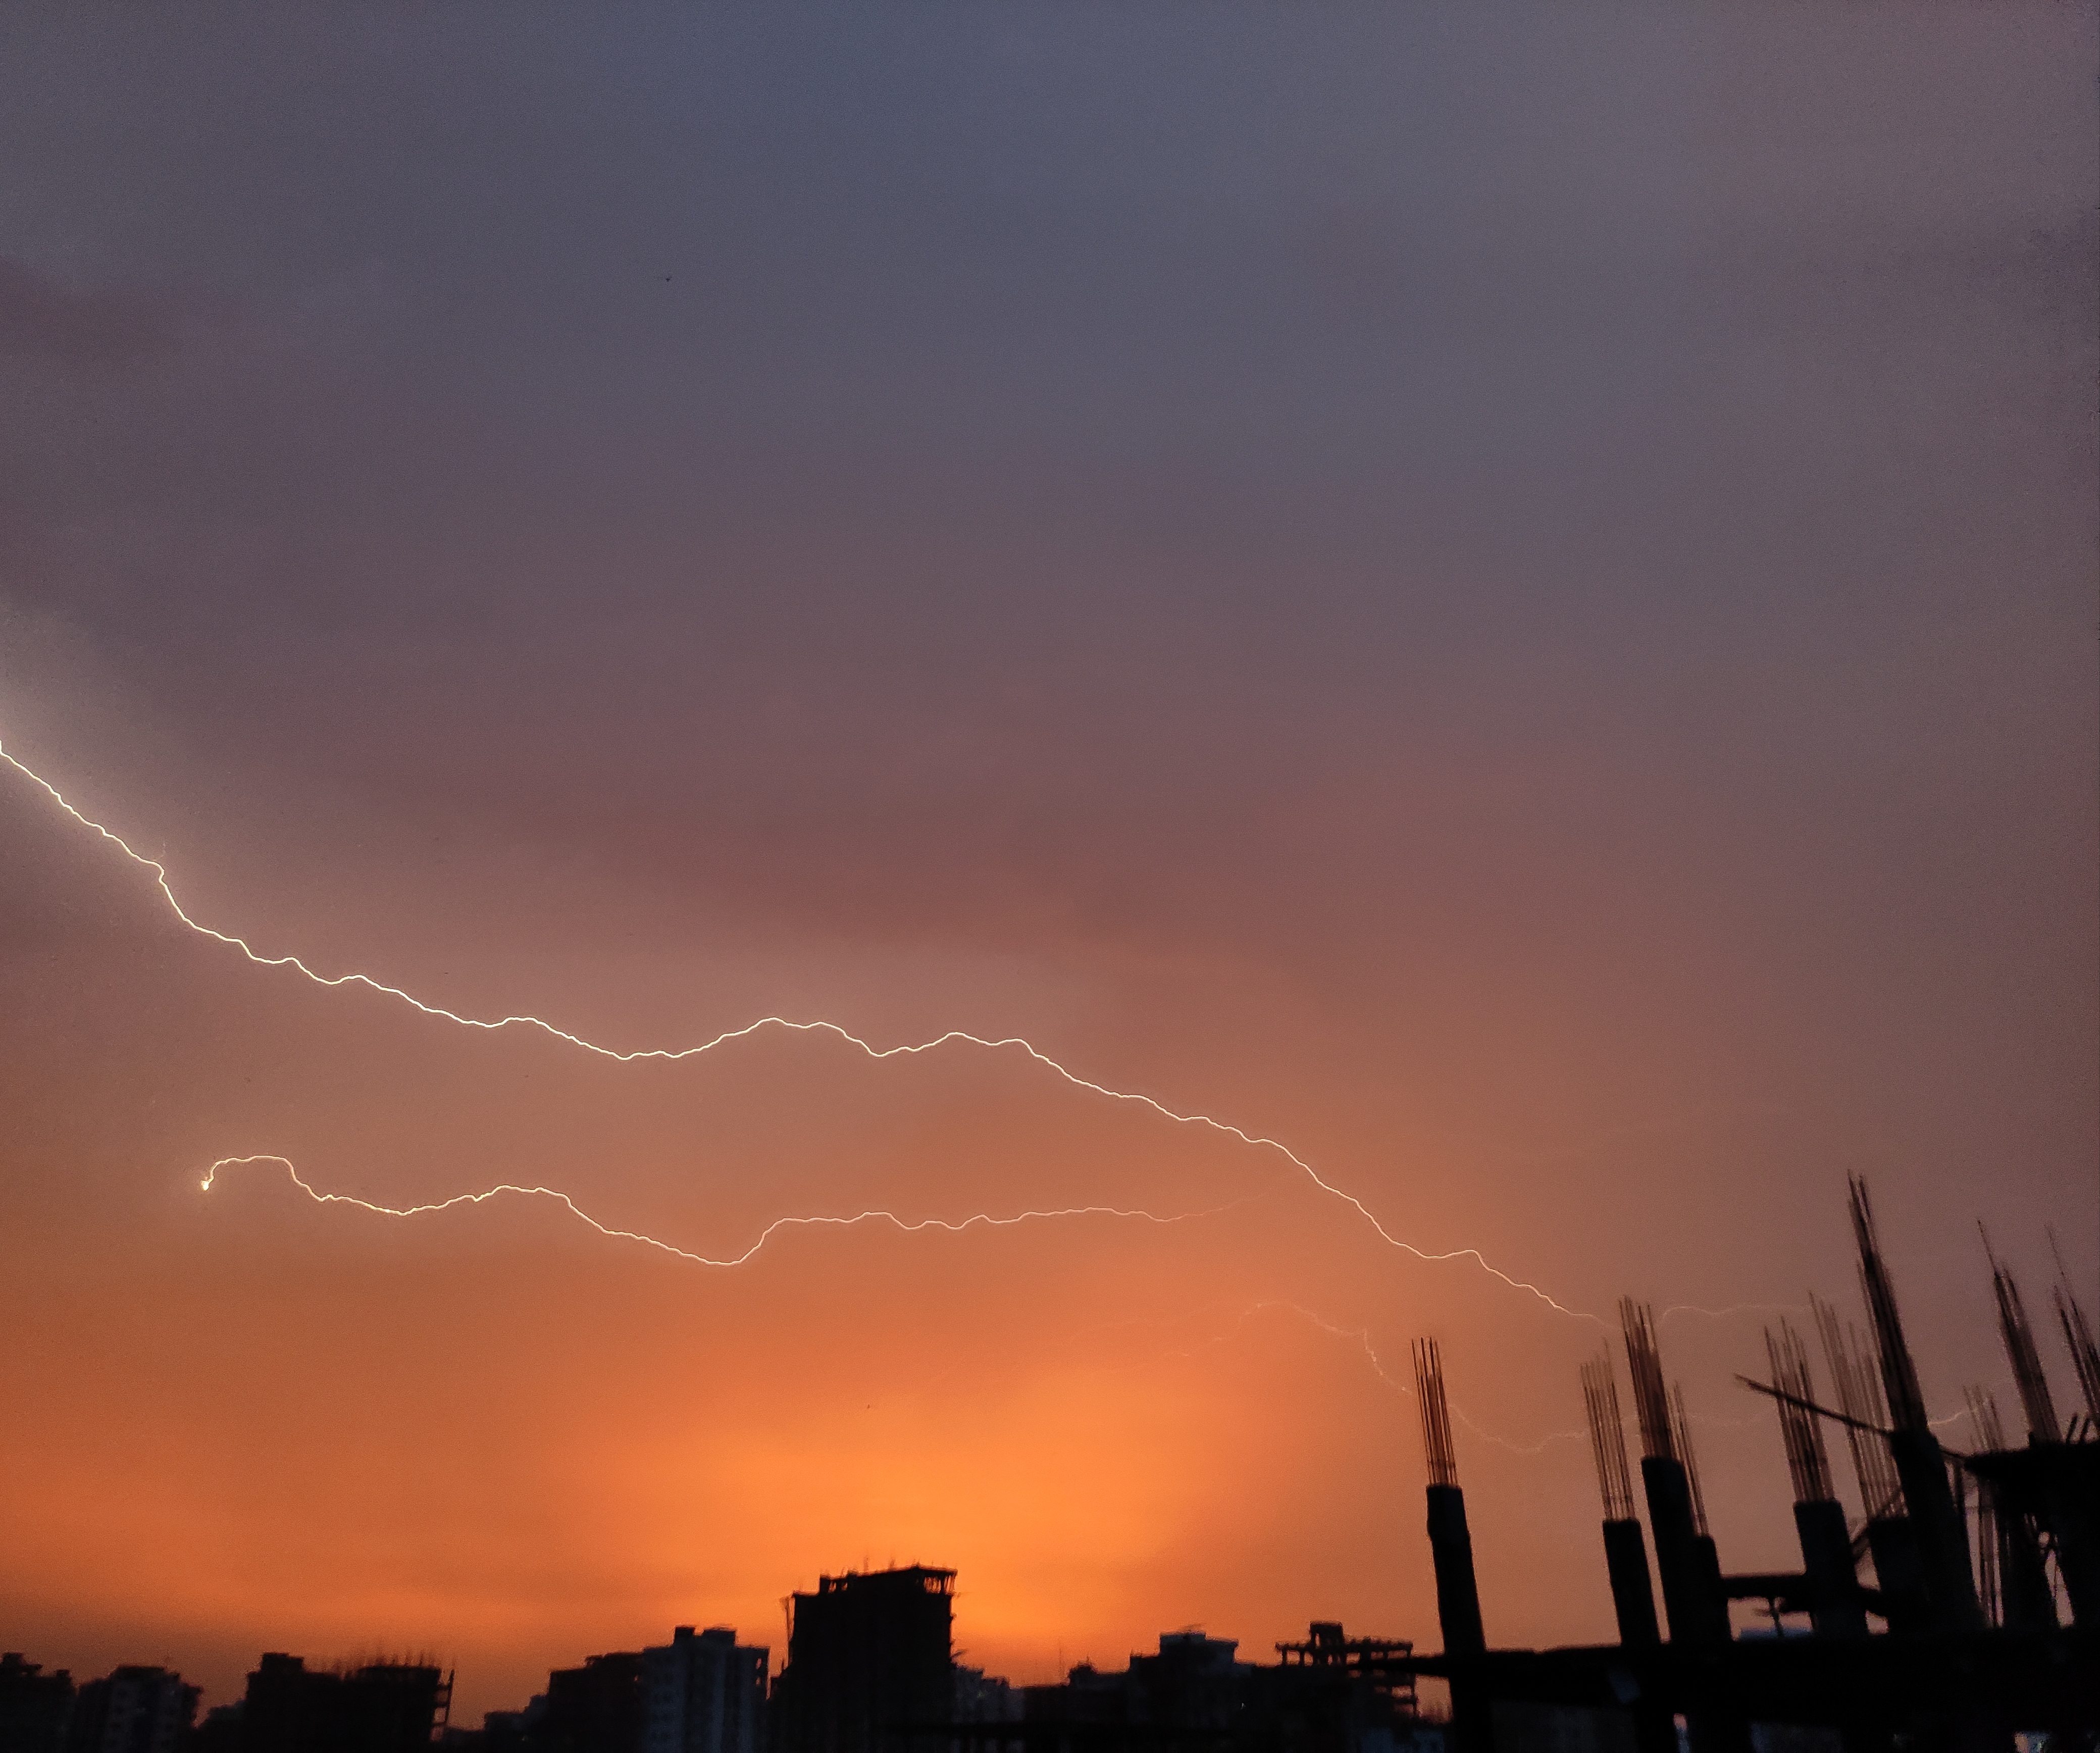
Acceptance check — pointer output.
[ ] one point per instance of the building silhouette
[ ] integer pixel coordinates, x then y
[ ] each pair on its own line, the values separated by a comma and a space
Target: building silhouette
982, 1698
1984, 1561
223, 1730
382, 1707
134, 1709
597, 1708
34, 1706
870, 1665
504, 1731
1330, 1694
703, 1692
1194, 1681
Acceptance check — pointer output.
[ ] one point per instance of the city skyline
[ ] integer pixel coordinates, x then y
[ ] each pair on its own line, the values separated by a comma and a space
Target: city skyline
1354, 675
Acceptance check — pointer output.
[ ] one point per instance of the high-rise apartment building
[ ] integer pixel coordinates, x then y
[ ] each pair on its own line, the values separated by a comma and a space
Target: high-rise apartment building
135, 1710
703, 1692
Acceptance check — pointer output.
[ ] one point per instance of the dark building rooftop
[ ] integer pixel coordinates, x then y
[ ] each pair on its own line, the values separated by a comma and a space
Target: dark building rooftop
381, 1707
869, 1652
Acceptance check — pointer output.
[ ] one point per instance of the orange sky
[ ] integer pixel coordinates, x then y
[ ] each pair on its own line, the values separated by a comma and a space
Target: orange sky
493, 1434
1504, 597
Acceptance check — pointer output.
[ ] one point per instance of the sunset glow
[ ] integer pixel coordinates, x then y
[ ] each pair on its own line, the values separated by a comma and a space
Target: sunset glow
787, 788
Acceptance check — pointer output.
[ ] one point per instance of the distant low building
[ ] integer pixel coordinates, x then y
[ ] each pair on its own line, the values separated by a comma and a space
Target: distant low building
34, 1706
597, 1708
382, 1707
224, 1730
1194, 1682
982, 1697
983, 1700
511, 1731
1330, 1695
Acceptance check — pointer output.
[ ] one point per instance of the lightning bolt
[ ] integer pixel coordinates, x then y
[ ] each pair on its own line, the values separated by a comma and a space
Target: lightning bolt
903, 1225
1731, 1311
1254, 1140
1361, 1337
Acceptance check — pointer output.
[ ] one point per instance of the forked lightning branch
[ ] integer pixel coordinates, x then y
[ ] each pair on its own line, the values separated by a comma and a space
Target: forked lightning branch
951, 1038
